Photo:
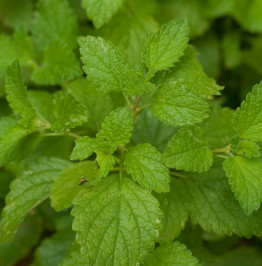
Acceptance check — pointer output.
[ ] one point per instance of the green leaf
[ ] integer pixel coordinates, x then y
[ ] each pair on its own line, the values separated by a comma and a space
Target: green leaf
67, 184
143, 163
9, 141
53, 249
245, 177
17, 94
6, 122
247, 119
27, 192
101, 11
68, 112
84, 147
116, 223
248, 148
218, 127
54, 20
166, 46
177, 106
172, 254
75, 258
188, 150
211, 204
117, 126
59, 65
98, 104
175, 211
103, 63
189, 74
106, 163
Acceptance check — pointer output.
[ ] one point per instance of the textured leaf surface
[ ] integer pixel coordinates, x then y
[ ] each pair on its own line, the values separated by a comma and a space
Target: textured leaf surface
59, 65
67, 184
248, 148
98, 104
172, 254
247, 119
54, 20
9, 140
27, 192
175, 212
166, 46
212, 205
189, 73
106, 162
116, 223
101, 11
143, 163
68, 112
17, 94
53, 249
117, 126
103, 63
84, 147
188, 150
177, 106
245, 178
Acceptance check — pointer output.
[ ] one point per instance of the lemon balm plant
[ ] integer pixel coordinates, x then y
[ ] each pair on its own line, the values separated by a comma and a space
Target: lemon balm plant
129, 151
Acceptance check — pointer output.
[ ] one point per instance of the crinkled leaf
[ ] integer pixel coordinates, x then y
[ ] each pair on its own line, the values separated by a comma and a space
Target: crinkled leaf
117, 126
247, 119
248, 148
59, 65
166, 46
188, 150
101, 11
105, 162
68, 112
245, 178
54, 20
143, 163
84, 147
172, 254
116, 223
17, 94
27, 192
175, 212
189, 73
68, 183
178, 106
212, 205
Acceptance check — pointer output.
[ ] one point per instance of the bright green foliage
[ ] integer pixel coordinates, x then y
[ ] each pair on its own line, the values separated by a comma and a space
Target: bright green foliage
75, 258
68, 183
188, 150
54, 20
143, 163
175, 212
84, 147
68, 112
178, 106
101, 11
103, 63
53, 249
109, 216
106, 162
59, 65
172, 254
117, 126
248, 118
209, 193
28, 191
248, 148
189, 74
245, 178
166, 46
17, 94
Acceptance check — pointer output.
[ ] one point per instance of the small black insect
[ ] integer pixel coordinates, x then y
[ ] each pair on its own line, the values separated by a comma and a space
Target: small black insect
82, 181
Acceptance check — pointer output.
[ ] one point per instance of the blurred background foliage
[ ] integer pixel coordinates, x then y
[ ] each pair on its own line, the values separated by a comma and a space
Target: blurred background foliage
228, 37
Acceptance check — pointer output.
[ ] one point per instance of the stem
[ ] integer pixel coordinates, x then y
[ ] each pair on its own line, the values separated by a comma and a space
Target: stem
221, 156
75, 136
117, 159
116, 169
149, 97
128, 103
226, 149
176, 174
